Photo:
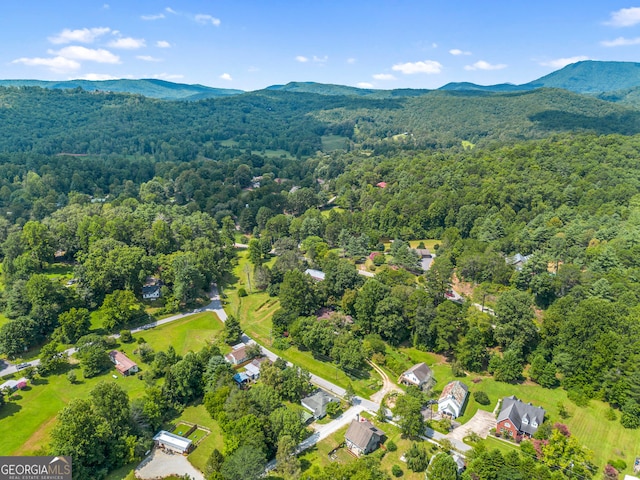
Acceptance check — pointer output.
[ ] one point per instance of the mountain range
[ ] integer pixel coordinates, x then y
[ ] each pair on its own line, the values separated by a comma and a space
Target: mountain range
611, 81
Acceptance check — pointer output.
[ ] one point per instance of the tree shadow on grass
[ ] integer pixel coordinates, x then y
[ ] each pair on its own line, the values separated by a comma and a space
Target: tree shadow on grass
9, 409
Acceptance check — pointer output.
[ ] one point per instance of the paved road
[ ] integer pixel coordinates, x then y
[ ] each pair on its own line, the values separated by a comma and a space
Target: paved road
215, 306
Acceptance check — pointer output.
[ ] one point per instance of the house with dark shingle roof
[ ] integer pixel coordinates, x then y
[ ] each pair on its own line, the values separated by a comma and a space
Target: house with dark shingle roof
453, 398
419, 375
519, 418
317, 403
363, 437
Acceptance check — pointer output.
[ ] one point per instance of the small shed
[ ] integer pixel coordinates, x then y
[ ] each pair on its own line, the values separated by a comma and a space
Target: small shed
252, 371
171, 441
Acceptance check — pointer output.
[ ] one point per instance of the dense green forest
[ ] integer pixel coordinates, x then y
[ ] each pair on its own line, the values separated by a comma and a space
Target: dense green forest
160, 189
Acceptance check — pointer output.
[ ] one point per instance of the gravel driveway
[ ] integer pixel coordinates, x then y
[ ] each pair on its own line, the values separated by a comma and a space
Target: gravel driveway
160, 464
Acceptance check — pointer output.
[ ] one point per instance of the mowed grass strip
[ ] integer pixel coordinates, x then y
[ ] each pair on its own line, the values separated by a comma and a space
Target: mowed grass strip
255, 311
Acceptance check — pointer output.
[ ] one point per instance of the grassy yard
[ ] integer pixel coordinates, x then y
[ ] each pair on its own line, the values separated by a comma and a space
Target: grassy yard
605, 438
318, 456
255, 312
31, 417
198, 414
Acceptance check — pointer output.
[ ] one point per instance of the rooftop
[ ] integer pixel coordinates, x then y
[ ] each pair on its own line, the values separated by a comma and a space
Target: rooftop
172, 439
360, 433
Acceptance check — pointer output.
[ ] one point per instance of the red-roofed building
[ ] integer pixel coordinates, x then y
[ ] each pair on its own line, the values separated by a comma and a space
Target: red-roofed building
381, 184
123, 364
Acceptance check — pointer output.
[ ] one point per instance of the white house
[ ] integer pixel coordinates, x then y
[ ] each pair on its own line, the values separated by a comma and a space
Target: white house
452, 400
419, 375
151, 292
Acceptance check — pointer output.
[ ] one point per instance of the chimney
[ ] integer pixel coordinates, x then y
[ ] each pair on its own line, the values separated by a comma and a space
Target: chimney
357, 417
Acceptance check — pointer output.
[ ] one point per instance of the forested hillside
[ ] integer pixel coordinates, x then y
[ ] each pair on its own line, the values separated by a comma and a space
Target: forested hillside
49, 122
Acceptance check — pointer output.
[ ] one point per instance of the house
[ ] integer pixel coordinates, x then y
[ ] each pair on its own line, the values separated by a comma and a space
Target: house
238, 355
151, 292
317, 403
454, 395
363, 437
519, 418
381, 184
423, 252
123, 364
459, 459
12, 385
252, 371
518, 260
317, 275
171, 441
419, 375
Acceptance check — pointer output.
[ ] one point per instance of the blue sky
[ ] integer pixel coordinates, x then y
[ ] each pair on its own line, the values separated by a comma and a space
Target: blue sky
251, 44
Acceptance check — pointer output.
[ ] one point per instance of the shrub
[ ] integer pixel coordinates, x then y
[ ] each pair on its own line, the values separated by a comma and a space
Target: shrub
333, 409
610, 415
618, 464
396, 470
379, 260
125, 336
71, 376
281, 343
141, 340
391, 446
417, 458
578, 397
242, 292
481, 397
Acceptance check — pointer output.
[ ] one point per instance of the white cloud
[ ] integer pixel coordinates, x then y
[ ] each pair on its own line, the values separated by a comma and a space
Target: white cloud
148, 58
457, 51
563, 62
156, 16
434, 45
83, 35
163, 44
205, 19
426, 66
625, 17
76, 52
620, 42
364, 85
482, 65
57, 64
320, 59
170, 10
167, 76
351, 61
97, 77
106, 6
226, 76
128, 43
384, 76
301, 59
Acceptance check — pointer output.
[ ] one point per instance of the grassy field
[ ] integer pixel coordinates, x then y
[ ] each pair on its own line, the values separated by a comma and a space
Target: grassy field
334, 142
605, 438
190, 333
31, 416
255, 312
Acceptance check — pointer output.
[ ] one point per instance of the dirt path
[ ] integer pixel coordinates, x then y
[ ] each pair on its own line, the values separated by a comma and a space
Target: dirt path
387, 385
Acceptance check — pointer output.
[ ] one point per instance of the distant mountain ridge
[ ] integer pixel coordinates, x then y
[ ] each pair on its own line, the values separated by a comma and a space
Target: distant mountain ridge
611, 81
148, 87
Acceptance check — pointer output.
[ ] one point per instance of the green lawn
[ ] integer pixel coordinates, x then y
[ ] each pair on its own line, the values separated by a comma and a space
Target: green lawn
31, 417
59, 271
318, 456
255, 312
190, 333
198, 414
606, 439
